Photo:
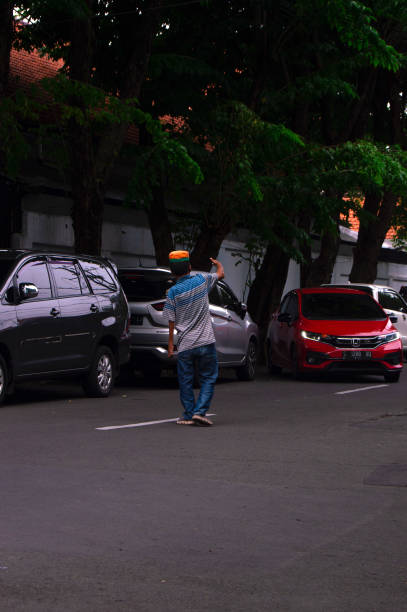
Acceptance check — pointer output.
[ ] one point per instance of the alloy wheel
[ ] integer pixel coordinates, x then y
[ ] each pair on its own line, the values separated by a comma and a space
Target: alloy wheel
104, 373
251, 359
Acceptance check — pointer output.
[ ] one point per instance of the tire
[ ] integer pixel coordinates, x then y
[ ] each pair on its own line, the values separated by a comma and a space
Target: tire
100, 379
392, 377
273, 369
3, 379
248, 370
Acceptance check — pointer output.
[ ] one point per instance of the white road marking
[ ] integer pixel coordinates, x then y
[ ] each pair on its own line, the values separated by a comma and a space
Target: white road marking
360, 389
141, 424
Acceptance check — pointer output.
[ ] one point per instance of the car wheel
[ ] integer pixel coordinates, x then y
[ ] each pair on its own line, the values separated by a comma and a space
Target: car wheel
392, 377
273, 369
100, 379
3, 379
248, 370
295, 368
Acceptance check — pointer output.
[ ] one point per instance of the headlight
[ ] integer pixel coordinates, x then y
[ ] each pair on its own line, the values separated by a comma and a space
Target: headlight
315, 336
390, 337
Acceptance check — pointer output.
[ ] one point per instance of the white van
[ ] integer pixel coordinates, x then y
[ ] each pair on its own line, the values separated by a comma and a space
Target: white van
389, 299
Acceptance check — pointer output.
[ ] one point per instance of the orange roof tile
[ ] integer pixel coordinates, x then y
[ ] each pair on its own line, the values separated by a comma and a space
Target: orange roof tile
26, 69
354, 223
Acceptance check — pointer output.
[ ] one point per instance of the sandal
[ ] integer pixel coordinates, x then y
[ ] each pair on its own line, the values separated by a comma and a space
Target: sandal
201, 420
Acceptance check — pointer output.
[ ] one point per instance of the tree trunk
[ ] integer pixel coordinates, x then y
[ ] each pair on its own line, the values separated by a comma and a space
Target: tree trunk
92, 160
372, 233
88, 196
267, 288
160, 227
6, 39
8, 190
304, 223
87, 219
321, 268
10, 199
208, 244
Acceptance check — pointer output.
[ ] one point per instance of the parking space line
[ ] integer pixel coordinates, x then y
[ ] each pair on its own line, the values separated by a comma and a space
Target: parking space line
360, 389
144, 424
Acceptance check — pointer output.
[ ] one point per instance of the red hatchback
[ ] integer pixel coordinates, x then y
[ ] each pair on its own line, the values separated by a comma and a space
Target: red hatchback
333, 330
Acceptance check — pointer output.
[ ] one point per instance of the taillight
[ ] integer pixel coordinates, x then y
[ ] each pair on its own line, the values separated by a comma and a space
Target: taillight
158, 306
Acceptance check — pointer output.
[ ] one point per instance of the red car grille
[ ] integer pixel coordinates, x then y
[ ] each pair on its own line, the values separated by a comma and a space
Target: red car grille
355, 342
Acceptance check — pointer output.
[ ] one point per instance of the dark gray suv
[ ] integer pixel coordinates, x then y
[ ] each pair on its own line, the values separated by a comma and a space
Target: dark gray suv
61, 315
235, 332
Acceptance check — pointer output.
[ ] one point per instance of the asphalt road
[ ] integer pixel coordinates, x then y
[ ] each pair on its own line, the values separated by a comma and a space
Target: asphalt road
294, 501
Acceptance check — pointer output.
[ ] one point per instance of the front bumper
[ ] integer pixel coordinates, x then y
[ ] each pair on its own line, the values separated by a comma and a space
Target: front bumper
318, 356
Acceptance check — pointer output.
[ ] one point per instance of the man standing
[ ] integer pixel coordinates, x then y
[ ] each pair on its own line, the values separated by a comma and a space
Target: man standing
187, 310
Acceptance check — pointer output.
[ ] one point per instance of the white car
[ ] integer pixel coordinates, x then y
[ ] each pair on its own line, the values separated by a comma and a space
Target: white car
235, 332
389, 299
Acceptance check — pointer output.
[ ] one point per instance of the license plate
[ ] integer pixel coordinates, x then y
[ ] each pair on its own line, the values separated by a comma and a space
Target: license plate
357, 355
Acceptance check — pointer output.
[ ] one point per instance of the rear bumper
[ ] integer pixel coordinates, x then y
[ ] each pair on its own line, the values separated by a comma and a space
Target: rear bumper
147, 355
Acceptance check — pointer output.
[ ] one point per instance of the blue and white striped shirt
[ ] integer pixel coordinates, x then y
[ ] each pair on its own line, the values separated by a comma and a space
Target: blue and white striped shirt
187, 305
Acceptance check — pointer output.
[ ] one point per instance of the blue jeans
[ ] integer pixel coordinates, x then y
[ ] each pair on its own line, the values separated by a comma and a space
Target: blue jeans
204, 359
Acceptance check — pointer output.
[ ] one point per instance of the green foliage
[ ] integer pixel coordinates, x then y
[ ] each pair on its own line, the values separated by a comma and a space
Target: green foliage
14, 113
354, 22
87, 104
167, 156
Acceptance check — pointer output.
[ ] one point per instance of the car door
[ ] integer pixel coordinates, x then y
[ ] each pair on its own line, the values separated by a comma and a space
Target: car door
220, 320
39, 328
107, 292
394, 304
285, 331
236, 329
79, 312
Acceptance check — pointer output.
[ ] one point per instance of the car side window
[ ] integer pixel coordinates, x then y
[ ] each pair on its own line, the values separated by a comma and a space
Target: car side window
292, 306
214, 297
99, 277
227, 297
69, 278
36, 272
391, 301
284, 304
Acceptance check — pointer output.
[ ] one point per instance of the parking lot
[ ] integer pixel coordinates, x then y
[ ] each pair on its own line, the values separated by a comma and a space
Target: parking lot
294, 501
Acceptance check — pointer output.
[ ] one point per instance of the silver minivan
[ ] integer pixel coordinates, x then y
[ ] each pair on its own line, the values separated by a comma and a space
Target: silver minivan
391, 302
235, 332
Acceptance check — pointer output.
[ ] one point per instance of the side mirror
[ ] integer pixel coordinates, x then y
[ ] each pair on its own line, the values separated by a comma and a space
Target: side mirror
284, 317
243, 306
9, 295
27, 291
393, 318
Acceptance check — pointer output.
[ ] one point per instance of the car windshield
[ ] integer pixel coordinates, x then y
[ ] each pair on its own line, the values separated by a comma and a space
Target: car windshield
341, 307
145, 286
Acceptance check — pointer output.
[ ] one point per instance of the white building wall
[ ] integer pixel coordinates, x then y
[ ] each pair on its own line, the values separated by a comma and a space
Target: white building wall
127, 241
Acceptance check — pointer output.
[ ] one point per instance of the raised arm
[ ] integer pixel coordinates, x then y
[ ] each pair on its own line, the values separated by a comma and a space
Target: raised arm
219, 268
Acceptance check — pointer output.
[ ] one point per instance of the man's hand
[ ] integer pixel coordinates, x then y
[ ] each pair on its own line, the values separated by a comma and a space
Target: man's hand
219, 268
170, 349
171, 326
